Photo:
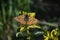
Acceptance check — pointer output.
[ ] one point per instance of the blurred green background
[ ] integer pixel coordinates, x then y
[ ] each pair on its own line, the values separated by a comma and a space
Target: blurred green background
46, 11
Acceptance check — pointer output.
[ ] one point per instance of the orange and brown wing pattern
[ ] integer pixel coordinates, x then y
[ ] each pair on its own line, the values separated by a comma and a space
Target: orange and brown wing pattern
21, 20
32, 21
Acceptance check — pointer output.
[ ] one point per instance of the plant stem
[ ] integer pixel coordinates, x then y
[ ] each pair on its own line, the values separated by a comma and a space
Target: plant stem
28, 38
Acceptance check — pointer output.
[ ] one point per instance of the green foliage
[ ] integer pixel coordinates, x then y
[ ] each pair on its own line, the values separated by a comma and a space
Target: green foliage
10, 9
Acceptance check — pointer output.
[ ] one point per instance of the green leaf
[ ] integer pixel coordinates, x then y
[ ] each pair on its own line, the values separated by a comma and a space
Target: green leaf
10, 8
3, 13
